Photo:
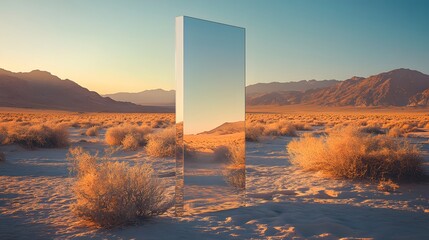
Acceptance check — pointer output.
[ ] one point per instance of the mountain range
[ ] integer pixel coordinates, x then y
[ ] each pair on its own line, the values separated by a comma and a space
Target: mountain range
154, 97
302, 85
399, 87
42, 90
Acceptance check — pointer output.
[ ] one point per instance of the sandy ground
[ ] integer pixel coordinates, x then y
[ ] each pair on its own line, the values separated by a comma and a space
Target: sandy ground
282, 202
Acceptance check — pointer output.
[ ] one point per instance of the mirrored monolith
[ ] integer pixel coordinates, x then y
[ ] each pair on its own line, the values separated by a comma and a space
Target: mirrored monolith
210, 116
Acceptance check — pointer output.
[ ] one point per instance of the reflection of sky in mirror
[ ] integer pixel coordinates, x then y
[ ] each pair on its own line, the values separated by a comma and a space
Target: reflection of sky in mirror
214, 75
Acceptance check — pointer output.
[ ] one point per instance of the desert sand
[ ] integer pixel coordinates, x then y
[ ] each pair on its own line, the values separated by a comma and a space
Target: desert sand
281, 202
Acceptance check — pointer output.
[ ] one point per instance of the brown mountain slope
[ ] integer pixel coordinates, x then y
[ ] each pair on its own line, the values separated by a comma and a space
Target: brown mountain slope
154, 97
394, 88
42, 90
273, 98
300, 86
420, 99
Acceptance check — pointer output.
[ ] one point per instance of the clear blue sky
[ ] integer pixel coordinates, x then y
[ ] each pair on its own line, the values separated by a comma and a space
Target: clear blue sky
112, 46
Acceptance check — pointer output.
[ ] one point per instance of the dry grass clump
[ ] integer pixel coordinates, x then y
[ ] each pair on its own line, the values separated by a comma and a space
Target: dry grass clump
372, 130
35, 136
387, 186
2, 157
162, 143
254, 131
234, 156
280, 128
351, 154
111, 194
92, 131
129, 137
303, 126
132, 142
394, 132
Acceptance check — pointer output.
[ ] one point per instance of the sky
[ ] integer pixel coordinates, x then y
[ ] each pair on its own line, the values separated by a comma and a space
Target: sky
114, 46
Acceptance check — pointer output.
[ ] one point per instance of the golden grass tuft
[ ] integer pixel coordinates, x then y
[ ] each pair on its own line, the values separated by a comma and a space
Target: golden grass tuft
254, 131
351, 154
387, 186
234, 156
129, 136
394, 132
111, 194
35, 136
162, 143
92, 131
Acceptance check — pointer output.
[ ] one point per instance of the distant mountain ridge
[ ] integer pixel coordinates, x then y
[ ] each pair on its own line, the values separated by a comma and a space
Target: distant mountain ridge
42, 90
154, 97
302, 85
399, 87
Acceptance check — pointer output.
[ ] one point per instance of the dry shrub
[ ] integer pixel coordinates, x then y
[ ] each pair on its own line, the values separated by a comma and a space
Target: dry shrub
372, 130
129, 134
351, 154
234, 157
408, 127
277, 128
92, 131
2, 157
303, 126
162, 143
281, 128
235, 177
254, 132
111, 194
130, 142
394, 132
387, 186
40, 135
221, 154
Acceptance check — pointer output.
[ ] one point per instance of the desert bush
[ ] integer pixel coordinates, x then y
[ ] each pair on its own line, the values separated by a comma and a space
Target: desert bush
394, 132
111, 194
39, 135
351, 154
235, 176
2, 157
162, 143
281, 128
254, 132
372, 130
387, 186
115, 136
221, 154
303, 126
130, 142
408, 127
92, 131
234, 156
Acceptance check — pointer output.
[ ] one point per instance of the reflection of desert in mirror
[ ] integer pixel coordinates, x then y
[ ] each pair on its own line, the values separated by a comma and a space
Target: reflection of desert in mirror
212, 85
336, 121
215, 169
